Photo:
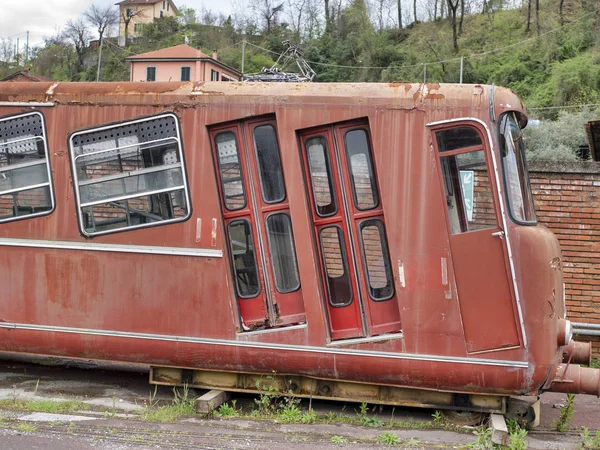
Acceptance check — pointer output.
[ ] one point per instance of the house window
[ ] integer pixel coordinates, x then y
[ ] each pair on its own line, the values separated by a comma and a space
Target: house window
150, 73
25, 175
185, 73
138, 27
167, 5
214, 75
164, 4
130, 175
161, 14
129, 12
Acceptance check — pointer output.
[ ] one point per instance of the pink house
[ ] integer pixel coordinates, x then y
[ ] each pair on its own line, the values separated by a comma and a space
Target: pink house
180, 63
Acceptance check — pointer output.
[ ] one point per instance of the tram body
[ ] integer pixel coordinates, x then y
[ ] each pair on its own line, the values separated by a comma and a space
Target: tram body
364, 234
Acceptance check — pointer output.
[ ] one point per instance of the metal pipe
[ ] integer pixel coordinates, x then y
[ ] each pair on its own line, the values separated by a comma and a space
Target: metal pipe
593, 326
577, 353
575, 379
586, 332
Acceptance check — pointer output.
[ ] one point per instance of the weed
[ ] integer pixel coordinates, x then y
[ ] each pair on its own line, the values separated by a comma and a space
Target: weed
309, 417
438, 419
266, 402
595, 363
388, 439
517, 436
37, 385
365, 420
26, 427
227, 411
566, 411
290, 411
182, 405
483, 439
588, 441
338, 439
413, 442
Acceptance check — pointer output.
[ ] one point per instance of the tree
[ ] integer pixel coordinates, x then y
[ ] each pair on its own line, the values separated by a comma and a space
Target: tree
528, 28
269, 11
77, 32
127, 16
415, 9
452, 8
400, 14
102, 19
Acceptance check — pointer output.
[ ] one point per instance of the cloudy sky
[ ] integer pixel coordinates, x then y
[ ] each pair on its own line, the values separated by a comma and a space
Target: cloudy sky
46, 17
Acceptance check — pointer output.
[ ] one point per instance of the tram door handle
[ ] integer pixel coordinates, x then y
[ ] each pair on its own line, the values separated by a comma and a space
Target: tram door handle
500, 234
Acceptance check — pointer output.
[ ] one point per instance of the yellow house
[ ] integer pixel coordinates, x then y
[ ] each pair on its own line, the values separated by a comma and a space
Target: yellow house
134, 14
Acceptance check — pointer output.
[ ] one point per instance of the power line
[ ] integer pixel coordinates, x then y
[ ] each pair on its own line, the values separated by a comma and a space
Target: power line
588, 105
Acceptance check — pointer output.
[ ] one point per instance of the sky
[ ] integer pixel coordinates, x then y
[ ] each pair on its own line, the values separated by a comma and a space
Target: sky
47, 17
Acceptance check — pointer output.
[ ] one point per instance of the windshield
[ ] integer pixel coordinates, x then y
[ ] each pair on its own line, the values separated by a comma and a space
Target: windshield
516, 178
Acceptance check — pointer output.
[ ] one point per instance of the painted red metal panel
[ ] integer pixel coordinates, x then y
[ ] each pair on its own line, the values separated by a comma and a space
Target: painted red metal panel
194, 296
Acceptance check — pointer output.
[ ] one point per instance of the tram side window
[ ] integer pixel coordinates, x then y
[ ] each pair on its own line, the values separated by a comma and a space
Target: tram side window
375, 252
25, 176
339, 284
362, 174
244, 258
320, 176
130, 175
466, 180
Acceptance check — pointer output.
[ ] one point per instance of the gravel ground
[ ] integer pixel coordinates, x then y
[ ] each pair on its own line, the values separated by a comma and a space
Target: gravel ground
113, 395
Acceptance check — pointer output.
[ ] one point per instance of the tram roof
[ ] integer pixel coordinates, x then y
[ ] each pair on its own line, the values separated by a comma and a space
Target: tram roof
402, 95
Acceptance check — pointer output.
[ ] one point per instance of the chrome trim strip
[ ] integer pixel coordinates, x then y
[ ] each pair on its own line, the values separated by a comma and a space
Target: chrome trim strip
38, 162
113, 248
382, 337
266, 345
32, 104
302, 326
131, 196
130, 173
502, 212
25, 188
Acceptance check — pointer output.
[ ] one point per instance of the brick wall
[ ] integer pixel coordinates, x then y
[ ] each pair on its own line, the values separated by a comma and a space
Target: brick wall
567, 200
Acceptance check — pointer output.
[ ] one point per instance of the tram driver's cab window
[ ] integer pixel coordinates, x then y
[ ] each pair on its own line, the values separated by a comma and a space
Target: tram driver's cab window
516, 178
466, 180
129, 175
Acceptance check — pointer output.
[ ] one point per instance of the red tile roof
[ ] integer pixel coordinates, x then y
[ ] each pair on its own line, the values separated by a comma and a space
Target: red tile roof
25, 75
176, 52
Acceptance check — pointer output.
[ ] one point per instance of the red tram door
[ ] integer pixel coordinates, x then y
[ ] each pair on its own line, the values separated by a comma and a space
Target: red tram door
258, 224
349, 229
477, 244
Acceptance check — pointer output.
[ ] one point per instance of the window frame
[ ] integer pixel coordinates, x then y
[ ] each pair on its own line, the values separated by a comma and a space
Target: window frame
373, 183
346, 264
48, 167
147, 69
330, 180
189, 73
509, 204
385, 251
75, 178
214, 75
234, 268
269, 241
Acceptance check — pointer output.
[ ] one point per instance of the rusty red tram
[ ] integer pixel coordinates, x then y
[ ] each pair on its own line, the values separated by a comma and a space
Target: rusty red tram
372, 242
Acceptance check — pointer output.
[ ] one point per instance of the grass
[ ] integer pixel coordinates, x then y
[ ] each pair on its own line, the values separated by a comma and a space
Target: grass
44, 405
388, 439
182, 405
26, 427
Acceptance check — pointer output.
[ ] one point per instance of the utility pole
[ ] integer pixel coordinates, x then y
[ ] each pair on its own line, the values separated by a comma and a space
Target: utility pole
243, 54
27, 49
17, 52
424, 73
99, 61
461, 68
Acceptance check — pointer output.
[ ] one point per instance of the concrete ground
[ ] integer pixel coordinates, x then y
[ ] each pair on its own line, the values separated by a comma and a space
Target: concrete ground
114, 395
